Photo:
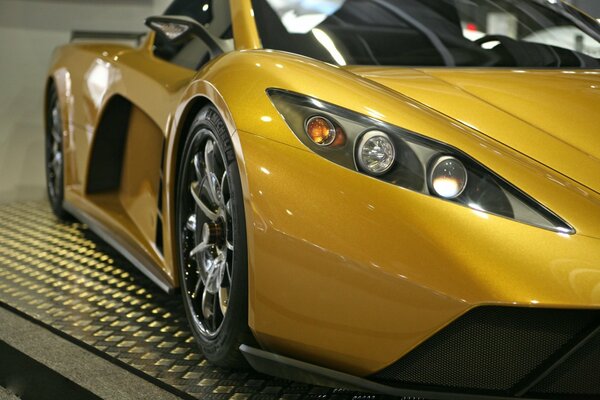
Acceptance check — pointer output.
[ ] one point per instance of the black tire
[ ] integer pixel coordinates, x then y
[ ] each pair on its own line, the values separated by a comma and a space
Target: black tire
55, 187
219, 338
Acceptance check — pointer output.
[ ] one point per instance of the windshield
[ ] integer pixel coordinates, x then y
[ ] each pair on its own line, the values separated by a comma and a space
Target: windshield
478, 33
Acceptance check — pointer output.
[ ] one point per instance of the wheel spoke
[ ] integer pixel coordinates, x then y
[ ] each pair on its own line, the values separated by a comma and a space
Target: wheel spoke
197, 288
200, 248
207, 304
56, 134
214, 189
203, 207
191, 223
56, 124
197, 167
221, 272
209, 157
56, 163
212, 280
224, 185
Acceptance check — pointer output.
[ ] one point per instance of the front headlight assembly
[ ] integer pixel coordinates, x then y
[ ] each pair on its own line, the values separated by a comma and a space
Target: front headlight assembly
408, 160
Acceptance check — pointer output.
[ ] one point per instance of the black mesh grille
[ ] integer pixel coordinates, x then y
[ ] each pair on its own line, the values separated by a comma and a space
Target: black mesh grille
494, 349
579, 375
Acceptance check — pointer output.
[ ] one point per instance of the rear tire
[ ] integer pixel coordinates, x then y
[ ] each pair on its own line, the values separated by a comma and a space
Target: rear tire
211, 241
55, 156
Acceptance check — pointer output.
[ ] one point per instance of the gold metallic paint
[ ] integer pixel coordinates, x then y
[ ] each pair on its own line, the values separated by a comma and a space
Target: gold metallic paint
520, 108
347, 271
244, 28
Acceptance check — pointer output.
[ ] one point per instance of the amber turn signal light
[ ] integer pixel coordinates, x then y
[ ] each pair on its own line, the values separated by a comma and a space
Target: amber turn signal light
323, 132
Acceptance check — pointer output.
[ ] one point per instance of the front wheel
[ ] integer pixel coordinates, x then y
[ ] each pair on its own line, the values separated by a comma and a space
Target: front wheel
211, 233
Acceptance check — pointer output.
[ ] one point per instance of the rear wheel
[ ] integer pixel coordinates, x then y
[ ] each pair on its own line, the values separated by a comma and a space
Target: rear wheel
212, 241
55, 156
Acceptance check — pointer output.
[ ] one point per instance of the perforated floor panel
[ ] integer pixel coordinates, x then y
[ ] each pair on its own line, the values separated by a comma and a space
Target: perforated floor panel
65, 277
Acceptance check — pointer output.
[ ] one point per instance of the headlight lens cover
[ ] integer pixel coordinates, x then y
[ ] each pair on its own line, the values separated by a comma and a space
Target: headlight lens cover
448, 177
375, 153
411, 161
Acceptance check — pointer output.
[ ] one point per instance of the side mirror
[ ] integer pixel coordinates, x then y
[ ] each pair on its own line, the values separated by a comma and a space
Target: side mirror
177, 29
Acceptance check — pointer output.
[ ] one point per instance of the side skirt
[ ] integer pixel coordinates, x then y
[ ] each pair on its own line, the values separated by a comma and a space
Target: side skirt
133, 255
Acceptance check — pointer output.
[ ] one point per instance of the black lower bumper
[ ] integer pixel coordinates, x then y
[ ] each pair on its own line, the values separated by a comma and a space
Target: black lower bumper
489, 353
288, 368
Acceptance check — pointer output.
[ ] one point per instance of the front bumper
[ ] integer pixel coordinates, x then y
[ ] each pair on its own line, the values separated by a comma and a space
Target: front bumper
352, 274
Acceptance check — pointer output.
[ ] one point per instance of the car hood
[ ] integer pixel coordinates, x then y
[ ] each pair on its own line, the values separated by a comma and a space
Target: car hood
550, 116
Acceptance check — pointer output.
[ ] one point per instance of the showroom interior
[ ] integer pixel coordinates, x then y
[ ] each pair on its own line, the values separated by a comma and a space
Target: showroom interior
118, 336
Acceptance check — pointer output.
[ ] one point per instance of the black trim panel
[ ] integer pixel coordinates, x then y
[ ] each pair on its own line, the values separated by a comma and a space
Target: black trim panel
107, 35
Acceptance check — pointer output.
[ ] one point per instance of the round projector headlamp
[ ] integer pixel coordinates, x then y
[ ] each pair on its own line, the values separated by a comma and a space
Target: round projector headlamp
375, 153
448, 178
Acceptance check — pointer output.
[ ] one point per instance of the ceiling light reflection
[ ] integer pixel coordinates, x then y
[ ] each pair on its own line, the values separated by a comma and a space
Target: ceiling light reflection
327, 42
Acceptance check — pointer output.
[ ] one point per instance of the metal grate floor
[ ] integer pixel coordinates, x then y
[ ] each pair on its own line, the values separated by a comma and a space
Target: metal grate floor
67, 278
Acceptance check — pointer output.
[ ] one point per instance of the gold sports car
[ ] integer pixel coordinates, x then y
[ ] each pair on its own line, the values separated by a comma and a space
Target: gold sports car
400, 196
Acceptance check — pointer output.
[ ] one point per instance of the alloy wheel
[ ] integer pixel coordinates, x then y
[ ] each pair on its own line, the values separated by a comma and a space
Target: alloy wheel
207, 235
